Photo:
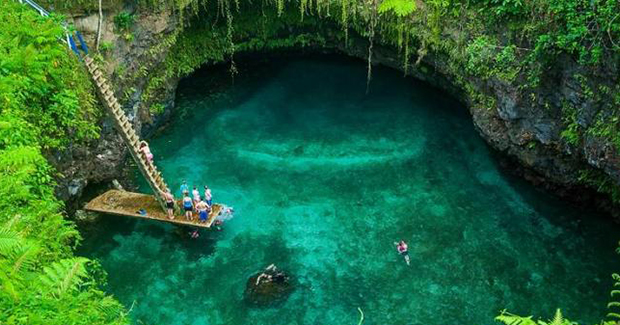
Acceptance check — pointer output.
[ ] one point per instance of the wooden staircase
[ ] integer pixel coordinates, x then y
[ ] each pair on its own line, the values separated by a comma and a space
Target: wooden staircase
127, 132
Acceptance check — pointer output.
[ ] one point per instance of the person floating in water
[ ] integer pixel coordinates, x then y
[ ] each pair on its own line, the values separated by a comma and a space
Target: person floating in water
203, 211
403, 250
208, 197
271, 274
169, 204
146, 151
196, 195
188, 206
184, 188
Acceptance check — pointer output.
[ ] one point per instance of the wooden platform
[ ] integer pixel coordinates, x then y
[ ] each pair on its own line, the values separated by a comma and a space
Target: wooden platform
129, 204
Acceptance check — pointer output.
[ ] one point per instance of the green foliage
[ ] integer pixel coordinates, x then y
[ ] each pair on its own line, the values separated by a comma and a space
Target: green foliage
572, 130
614, 305
558, 319
42, 89
400, 8
45, 102
601, 182
124, 21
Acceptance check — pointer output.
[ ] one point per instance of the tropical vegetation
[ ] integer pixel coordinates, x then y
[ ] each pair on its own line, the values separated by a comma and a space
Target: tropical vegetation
47, 104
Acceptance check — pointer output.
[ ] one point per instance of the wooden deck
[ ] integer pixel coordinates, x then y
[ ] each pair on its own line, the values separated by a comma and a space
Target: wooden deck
129, 204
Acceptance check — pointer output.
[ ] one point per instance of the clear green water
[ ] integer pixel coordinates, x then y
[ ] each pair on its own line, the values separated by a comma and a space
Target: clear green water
323, 179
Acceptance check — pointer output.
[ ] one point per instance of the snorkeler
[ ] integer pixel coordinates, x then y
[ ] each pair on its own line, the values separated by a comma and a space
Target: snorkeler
402, 249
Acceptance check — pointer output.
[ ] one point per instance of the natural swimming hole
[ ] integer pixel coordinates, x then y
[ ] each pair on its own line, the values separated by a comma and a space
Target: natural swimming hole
324, 179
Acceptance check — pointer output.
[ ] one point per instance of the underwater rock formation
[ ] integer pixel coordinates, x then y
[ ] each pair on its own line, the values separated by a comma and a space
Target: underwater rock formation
268, 287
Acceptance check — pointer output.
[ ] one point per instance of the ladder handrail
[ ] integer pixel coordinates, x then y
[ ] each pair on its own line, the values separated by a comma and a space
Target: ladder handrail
36, 6
153, 176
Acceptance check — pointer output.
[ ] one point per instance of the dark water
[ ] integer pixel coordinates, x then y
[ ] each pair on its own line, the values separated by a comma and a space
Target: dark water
324, 179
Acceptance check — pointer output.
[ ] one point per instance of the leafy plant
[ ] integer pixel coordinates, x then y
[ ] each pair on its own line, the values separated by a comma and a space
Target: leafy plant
124, 21
400, 8
46, 103
614, 305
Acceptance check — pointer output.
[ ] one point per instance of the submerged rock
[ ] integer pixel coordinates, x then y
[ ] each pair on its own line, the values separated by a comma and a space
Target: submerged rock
269, 287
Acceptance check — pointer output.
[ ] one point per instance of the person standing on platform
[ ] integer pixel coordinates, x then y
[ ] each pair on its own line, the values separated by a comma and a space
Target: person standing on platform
169, 204
188, 206
196, 195
203, 211
184, 188
208, 198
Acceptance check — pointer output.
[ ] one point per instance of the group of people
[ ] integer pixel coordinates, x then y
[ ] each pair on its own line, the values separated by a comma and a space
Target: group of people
191, 204
196, 203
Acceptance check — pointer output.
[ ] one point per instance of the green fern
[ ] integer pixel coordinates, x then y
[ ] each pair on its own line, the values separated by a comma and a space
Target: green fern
558, 319
400, 8
23, 259
64, 276
614, 292
8, 240
511, 319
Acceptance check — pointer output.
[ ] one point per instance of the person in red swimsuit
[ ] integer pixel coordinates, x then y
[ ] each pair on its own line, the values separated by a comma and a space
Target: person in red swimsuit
403, 250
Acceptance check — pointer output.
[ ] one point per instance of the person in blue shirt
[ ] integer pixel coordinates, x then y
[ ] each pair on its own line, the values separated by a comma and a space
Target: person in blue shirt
184, 188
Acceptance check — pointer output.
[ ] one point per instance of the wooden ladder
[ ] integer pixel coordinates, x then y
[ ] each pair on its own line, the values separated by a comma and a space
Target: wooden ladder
125, 128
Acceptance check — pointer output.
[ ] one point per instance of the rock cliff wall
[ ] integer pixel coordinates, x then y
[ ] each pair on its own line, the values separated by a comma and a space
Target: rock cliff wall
528, 127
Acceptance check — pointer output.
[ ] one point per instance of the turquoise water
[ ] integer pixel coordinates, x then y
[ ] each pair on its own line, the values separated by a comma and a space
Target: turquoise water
324, 179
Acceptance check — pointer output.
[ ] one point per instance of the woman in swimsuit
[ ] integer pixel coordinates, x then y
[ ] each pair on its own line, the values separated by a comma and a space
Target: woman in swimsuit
169, 204
403, 250
188, 207
146, 151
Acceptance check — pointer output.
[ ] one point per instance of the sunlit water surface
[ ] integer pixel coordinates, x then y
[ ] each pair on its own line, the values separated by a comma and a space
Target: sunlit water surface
324, 178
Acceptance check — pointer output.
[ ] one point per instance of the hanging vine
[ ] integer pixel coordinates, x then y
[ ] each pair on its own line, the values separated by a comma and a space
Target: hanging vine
229, 34
371, 39
344, 20
280, 7
302, 8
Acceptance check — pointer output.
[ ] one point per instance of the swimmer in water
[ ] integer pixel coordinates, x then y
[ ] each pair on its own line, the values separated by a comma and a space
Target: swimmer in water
403, 250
